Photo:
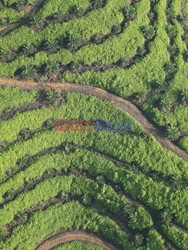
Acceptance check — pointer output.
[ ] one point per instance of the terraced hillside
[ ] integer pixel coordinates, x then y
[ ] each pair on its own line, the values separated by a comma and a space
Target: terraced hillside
112, 60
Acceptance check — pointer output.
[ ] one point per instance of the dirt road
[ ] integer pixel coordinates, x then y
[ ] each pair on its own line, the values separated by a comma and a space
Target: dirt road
74, 236
103, 95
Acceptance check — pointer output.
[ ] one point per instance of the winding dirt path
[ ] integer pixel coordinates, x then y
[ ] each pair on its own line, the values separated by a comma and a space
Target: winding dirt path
103, 95
74, 236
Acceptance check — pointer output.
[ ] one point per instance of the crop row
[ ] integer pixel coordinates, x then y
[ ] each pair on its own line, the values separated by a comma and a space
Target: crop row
110, 74
13, 97
91, 53
127, 82
48, 184
179, 238
145, 189
17, 3
9, 130
167, 107
53, 8
10, 16
120, 176
71, 215
96, 20
170, 164
136, 217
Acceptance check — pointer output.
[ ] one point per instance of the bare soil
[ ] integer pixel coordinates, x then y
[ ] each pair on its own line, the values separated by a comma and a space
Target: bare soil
74, 236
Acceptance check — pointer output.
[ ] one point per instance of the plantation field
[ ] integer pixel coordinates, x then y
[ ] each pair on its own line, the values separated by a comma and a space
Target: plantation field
123, 186
88, 60
48, 40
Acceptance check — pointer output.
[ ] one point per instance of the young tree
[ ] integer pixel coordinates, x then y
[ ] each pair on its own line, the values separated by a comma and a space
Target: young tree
47, 45
48, 124
27, 72
138, 240
26, 49
3, 231
97, 38
51, 68
128, 209
64, 197
97, 3
3, 21
3, 54
129, 13
52, 96
75, 67
164, 104
172, 133
86, 199
170, 13
148, 32
75, 9
21, 218
70, 41
142, 51
186, 56
3, 145
24, 134
166, 216
116, 29
173, 49
183, 96
170, 69
171, 31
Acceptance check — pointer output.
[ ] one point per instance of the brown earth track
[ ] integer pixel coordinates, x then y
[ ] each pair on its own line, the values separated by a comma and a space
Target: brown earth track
74, 236
103, 95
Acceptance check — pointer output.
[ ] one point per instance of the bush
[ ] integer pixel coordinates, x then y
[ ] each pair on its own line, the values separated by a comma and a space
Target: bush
170, 68
129, 13
148, 32
24, 134
3, 54
186, 56
97, 38
75, 67
170, 13
164, 104
116, 29
3, 232
173, 50
138, 240
51, 68
97, 3
20, 218
26, 49
27, 72
70, 41
48, 124
171, 31
172, 133
165, 216
75, 9
183, 96
3, 145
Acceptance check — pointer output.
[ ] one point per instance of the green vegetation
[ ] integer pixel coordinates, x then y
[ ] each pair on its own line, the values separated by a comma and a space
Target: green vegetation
13, 97
179, 238
77, 245
124, 187
81, 172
